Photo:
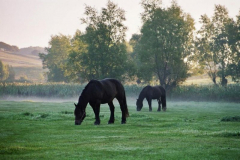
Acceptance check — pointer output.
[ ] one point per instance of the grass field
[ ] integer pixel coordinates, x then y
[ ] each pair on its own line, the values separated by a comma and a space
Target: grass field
188, 130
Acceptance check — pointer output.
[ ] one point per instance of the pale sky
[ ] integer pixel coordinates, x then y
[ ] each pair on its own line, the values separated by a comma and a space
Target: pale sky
26, 23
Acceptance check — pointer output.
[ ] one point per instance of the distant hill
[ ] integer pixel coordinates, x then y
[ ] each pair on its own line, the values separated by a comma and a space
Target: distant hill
25, 61
24, 57
7, 47
31, 51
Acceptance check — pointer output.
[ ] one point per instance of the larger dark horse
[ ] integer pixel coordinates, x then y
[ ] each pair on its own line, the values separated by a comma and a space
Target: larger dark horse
152, 92
99, 92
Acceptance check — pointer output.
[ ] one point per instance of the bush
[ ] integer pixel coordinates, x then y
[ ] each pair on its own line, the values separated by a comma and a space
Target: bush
231, 119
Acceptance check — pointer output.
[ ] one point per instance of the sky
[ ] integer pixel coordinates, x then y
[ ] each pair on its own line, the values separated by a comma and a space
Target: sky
26, 23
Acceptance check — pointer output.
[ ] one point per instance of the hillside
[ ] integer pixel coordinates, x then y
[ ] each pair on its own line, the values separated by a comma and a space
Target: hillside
7, 47
25, 62
20, 60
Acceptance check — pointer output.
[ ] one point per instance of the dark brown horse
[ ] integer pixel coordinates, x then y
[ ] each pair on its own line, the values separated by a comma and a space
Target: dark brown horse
99, 92
150, 92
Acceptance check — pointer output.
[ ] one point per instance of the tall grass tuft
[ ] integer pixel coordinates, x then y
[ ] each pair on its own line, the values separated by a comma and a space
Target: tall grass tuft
231, 119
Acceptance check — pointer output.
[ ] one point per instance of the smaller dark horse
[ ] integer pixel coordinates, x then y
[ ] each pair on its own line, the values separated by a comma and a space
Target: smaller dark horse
99, 92
152, 92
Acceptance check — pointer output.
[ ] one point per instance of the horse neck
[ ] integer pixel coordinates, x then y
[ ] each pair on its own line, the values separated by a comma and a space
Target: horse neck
141, 96
83, 101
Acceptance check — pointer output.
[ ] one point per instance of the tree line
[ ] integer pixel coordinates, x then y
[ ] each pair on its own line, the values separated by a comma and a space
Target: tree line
167, 50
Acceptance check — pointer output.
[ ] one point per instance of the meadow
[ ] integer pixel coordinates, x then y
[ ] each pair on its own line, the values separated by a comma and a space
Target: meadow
187, 130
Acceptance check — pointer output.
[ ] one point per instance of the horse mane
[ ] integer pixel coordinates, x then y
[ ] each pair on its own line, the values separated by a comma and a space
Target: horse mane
142, 94
87, 86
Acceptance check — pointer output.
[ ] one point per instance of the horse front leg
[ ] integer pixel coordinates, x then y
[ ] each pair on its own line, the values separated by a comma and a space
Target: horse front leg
159, 105
96, 110
112, 108
149, 100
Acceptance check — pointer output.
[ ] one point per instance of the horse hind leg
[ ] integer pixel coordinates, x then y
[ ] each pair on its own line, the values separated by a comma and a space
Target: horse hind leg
159, 105
112, 108
149, 104
123, 108
164, 105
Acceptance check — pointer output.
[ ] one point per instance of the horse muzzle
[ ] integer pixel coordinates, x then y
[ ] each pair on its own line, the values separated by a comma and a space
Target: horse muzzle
78, 122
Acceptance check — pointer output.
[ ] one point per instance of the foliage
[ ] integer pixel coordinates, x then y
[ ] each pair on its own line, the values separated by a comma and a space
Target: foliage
217, 44
165, 44
55, 60
76, 70
229, 93
233, 30
32, 130
6, 72
102, 50
231, 119
11, 76
40, 90
220, 45
205, 56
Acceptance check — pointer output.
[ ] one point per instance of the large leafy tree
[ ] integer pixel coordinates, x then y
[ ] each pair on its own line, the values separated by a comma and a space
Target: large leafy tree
205, 55
106, 52
76, 70
218, 45
233, 30
165, 43
56, 58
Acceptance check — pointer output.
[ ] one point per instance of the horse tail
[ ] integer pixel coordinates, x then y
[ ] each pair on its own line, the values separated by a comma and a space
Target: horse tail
122, 97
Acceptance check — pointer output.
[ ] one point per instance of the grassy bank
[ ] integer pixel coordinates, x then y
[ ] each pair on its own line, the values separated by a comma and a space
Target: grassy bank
188, 130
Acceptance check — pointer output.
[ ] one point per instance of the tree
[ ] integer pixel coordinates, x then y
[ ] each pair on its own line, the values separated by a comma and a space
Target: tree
165, 44
220, 41
76, 69
218, 45
56, 58
106, 52
4, 72
11, 76
233, 30
205, 56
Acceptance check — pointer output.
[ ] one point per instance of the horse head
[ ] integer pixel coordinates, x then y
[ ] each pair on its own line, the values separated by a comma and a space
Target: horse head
139, 105
79, 113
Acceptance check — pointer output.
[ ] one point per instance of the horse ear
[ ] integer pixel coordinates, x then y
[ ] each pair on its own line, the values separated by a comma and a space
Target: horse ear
75, 105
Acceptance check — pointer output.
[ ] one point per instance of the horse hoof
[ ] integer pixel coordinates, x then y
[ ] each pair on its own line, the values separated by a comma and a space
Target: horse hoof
110, 122
159, 110
123, 122
96, 123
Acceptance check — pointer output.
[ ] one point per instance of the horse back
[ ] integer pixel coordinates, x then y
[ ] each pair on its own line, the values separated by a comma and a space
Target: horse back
112, 87
156, 92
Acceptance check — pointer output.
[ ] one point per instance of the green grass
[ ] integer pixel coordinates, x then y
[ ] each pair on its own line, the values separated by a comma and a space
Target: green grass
188, 130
